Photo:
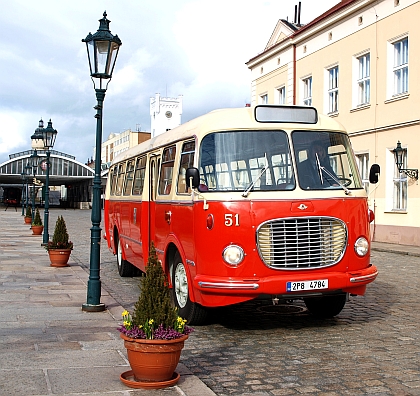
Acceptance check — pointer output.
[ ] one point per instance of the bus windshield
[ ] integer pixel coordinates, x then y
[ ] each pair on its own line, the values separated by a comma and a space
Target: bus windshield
324, 160
246, 161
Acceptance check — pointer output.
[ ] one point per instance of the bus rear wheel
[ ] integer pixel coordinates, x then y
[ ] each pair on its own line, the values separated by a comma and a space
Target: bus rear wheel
192, 312
326, 306
125, 269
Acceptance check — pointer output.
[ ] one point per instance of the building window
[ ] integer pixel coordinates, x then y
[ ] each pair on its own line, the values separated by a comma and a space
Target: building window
363, 165
364, 80
333, 90
400, 68
400, 186
281, 95
264, 99
307, 91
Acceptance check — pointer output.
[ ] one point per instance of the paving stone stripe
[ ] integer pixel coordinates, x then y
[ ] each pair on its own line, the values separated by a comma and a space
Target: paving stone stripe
371, 348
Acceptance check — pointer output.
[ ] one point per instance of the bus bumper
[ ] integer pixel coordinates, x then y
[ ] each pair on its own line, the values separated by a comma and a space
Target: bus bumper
216, 291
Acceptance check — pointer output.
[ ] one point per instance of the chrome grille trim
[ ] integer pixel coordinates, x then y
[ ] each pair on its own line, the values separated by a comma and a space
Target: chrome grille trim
295, 243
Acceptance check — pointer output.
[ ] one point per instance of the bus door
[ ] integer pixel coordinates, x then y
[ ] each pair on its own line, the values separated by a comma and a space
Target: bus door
154, 162
137, 169
163, 203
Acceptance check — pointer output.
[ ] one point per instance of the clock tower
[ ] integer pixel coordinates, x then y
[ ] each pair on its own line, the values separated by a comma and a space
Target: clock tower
165, 114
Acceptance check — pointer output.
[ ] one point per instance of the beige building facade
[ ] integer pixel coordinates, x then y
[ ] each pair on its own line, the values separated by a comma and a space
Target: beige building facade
359, 63
120, 142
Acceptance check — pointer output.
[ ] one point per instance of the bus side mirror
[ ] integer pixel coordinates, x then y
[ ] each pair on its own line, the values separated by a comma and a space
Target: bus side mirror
192, 176
375, 170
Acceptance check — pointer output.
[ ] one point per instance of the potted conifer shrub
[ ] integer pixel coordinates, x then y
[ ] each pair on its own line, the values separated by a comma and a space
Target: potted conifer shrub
28, 215
154, 336
37, 226
60, 247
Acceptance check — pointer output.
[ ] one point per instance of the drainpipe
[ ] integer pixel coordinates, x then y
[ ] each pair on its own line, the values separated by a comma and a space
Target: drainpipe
294, 74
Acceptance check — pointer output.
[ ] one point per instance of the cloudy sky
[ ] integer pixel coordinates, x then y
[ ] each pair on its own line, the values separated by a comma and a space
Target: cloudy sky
194, 48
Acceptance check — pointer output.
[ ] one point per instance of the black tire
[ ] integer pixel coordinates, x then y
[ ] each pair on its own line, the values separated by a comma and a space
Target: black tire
326, 306
125, 269
194, 313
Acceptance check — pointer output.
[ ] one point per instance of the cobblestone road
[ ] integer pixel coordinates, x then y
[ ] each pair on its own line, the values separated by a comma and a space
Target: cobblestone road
371, 348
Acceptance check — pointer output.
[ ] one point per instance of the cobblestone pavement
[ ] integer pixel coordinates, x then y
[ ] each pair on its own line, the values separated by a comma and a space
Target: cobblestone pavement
371, 348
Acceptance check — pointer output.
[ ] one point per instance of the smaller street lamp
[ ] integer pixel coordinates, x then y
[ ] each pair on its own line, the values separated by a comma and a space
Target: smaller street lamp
34, 164
399, 154
28, 171
23, 194
49, 135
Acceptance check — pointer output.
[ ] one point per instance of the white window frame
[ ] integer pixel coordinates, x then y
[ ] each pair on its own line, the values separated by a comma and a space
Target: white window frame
400, 196
333, 76
363, 81
264, 98
307, 91
362, 160
281, 94
396, 183
400, 66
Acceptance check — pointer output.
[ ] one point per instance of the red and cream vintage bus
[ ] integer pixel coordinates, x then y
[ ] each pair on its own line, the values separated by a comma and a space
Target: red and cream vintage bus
255, 202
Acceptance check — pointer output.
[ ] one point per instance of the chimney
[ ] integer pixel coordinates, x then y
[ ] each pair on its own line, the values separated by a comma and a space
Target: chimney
299, 13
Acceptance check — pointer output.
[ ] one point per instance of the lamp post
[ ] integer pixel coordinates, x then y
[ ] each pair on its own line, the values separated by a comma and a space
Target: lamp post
102, 49
49, 135
23, 194
399, 153
28, 171
34, 163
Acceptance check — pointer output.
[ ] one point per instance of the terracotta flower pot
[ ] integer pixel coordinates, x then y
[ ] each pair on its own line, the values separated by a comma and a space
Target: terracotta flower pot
28, 220
37, 230
59, 257
153, 362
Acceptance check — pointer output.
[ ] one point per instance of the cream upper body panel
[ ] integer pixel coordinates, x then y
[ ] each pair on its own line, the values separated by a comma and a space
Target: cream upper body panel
224, 120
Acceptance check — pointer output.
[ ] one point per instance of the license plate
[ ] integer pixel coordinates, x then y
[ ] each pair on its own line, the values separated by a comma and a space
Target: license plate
307, 285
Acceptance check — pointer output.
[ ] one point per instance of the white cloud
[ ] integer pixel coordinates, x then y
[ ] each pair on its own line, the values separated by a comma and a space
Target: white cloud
13, 137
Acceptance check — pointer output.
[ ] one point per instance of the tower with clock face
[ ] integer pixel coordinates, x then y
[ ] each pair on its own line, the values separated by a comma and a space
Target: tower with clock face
165, 114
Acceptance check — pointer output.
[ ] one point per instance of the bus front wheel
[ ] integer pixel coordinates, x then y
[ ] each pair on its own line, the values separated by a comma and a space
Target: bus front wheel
125, 269
326, 306
192, 312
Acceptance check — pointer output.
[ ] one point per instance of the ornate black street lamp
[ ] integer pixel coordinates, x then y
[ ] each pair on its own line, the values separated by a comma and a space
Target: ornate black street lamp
399, 154
48, 136
33, 160
102, 48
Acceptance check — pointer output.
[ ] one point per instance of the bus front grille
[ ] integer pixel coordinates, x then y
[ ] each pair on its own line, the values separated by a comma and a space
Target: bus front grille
301, 242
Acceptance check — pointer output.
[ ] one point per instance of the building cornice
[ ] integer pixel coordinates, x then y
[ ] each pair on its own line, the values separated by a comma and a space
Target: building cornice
385, 128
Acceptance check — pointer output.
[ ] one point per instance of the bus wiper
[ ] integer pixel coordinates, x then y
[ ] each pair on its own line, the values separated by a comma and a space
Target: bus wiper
322, 169
318, 165
249, 188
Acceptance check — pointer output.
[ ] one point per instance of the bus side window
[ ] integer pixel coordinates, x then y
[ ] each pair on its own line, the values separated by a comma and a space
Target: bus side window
120, 179
113, 173
187, 161
166, 171
139, 176
129, 177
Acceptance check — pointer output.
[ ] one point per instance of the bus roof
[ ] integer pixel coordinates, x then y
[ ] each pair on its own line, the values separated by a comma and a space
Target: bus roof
230, 119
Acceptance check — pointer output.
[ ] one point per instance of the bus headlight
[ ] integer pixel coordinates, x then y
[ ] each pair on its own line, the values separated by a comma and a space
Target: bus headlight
233, 255
361, 246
